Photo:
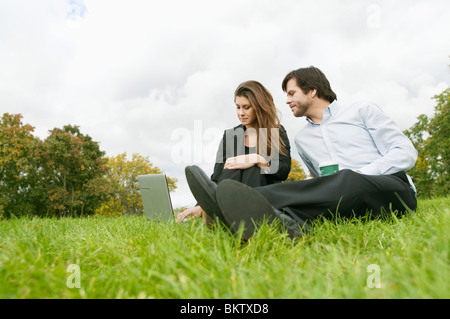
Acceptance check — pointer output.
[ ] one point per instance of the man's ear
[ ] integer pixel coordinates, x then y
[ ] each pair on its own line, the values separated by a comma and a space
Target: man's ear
313, 93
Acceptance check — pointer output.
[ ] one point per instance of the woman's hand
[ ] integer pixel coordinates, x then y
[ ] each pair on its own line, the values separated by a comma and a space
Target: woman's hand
193, 212
245, 161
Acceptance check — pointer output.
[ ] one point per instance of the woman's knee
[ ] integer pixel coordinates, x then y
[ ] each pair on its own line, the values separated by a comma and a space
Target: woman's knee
234, 174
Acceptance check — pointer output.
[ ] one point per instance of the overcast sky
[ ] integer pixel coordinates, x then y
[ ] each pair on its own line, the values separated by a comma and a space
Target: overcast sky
157, 77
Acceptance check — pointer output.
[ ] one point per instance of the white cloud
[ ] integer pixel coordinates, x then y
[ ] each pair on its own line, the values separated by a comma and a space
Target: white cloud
132, 73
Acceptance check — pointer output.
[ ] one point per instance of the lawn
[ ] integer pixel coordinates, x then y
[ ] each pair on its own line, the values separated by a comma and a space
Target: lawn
130, 257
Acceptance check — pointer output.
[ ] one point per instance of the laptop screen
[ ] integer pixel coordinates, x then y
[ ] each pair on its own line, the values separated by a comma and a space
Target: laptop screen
155, 197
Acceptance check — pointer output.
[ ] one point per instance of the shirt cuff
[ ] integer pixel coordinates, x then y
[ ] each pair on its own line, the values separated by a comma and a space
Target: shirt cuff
371, 169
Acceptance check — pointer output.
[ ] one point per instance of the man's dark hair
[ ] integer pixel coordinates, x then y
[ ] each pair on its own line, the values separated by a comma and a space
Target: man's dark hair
309, 79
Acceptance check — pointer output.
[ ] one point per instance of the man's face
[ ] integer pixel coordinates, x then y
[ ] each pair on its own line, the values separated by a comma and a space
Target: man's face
298, 101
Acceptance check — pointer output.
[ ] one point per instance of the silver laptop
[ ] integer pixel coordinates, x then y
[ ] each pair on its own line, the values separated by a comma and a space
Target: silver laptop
155, 197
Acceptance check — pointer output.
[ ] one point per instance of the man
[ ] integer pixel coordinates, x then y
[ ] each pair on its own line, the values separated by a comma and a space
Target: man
372, 152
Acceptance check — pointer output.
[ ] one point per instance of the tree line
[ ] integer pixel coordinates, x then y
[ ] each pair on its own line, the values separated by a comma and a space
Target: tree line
67, 174
431, 137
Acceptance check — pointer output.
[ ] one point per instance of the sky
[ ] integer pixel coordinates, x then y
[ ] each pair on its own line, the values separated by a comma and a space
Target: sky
157, 78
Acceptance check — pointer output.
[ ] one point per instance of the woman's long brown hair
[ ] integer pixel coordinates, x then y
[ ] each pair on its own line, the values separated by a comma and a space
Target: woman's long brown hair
266, 113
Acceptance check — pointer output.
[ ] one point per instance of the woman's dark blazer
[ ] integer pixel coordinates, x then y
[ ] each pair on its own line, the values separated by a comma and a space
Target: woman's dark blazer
227, 150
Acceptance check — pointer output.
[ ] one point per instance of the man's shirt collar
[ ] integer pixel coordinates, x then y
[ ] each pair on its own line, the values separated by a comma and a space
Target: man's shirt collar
332, 110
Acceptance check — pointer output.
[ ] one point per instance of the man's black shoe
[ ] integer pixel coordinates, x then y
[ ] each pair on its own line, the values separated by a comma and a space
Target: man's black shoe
240, 203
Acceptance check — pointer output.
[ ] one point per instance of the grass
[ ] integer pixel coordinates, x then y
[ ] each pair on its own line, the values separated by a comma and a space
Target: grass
130, 257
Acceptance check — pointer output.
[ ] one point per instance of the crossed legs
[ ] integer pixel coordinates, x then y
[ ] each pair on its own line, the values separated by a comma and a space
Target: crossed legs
344, 193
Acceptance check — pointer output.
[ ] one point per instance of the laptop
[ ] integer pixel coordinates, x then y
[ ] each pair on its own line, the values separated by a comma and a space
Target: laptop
155, 197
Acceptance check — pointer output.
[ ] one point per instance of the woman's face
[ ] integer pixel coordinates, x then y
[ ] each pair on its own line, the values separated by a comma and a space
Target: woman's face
245, 112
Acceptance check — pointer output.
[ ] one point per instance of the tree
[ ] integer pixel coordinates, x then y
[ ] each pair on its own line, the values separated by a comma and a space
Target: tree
430, 137
297, 173
17, 147
122, 176
70, 174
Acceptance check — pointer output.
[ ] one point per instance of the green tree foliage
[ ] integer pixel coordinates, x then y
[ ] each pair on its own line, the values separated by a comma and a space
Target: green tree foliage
71, 174
60, 176
17, 147
122, 176
297, 173
431, 137
66, 174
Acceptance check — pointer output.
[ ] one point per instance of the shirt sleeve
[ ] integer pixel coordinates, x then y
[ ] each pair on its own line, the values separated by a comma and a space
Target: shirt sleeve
396, 150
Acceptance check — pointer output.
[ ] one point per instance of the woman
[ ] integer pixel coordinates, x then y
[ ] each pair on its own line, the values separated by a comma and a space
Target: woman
256, 152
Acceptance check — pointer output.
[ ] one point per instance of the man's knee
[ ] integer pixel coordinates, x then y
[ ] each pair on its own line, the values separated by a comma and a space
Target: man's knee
348, 176
347, 173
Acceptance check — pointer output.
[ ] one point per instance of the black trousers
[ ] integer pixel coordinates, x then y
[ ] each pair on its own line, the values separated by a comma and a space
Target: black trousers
345, 194
251, 176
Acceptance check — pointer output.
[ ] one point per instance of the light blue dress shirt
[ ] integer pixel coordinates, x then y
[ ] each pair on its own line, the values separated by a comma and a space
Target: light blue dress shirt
358, 136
